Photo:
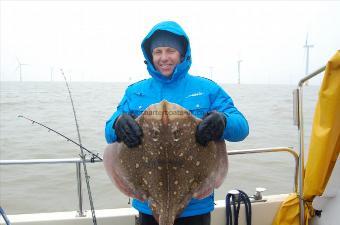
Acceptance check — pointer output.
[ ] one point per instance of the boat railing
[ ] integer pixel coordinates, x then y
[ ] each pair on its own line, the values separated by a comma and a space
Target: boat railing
298, 121
78, 162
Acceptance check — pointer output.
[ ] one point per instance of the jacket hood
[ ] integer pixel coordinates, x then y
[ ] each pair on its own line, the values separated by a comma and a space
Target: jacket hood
182, 68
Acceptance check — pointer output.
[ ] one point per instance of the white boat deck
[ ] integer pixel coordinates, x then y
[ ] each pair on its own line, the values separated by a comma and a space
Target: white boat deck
126, 216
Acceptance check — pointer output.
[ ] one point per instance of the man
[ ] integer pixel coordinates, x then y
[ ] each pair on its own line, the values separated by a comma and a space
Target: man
168, 58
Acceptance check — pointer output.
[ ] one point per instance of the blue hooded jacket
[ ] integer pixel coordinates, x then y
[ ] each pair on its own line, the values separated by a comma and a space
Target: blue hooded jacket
197, 94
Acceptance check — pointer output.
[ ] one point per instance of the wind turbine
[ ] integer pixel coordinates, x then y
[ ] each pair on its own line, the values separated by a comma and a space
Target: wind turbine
211, 68
20, 67
239, 70
51, 70
307, 46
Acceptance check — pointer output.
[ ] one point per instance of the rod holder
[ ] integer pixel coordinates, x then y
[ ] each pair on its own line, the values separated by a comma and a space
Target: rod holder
80, 212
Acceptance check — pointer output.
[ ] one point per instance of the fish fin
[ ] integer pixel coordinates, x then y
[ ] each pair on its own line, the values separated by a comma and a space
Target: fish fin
222, 165
116, 175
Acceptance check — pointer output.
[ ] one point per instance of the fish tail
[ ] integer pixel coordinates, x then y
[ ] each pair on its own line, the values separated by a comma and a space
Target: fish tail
166, 219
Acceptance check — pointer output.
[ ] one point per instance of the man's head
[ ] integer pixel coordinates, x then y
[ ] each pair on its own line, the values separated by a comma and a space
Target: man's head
167, 50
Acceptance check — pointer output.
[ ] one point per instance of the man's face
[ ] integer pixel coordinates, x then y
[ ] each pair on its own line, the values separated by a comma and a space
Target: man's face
165, 60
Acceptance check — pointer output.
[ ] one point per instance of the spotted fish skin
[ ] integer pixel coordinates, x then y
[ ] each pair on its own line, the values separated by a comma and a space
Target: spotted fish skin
169, 167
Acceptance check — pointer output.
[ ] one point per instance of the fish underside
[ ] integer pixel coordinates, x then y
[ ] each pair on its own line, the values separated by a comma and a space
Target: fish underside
168, 168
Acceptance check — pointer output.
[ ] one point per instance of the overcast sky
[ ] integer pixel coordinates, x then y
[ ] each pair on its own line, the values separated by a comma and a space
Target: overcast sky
100, 41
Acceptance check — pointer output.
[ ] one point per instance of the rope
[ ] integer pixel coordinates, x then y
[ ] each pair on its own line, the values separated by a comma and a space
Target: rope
235, 198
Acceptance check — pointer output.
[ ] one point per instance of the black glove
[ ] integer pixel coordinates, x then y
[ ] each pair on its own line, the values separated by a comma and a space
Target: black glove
128, 131
211, 127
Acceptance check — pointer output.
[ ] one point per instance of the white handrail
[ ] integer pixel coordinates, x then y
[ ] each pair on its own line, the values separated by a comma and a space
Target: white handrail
78, 162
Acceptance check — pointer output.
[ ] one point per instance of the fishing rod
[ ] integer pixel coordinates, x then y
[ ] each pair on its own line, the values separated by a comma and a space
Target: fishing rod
94, 156
87, 178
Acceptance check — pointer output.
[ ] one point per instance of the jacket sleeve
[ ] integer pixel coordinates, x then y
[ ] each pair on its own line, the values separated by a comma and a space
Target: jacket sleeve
110, 133
237, 127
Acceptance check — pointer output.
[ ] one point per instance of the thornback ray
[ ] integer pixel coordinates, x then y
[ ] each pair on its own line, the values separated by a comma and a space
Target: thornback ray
168, 168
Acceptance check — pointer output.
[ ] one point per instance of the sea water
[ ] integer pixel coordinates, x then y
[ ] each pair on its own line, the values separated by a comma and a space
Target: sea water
49, 188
